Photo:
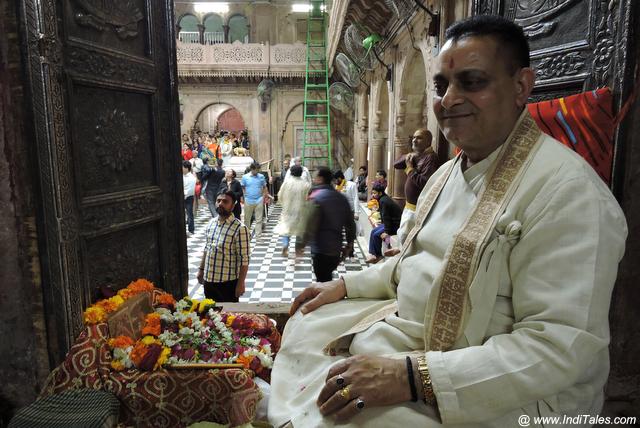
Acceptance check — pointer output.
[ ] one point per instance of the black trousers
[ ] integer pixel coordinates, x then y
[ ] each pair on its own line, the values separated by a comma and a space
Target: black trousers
221, 291
323, 266
188, 206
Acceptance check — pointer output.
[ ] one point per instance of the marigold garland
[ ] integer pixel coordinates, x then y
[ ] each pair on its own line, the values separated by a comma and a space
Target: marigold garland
99, 311
187, 331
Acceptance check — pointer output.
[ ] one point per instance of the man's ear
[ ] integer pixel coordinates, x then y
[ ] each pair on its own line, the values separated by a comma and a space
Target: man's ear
525, 79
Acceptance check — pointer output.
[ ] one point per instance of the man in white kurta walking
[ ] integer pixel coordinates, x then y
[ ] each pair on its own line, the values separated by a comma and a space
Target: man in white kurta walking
293, 198
497, 306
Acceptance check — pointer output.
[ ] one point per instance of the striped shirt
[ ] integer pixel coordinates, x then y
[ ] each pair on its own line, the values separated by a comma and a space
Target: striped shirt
226, 249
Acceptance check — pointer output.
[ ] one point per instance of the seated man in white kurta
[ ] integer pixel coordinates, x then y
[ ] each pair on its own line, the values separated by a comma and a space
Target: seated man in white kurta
500, 295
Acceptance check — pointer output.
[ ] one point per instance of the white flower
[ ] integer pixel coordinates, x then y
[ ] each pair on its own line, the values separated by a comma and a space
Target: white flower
169, 338
265, 360
183, 305
185, 331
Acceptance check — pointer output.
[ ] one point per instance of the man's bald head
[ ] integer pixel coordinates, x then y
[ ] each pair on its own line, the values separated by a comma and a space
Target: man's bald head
421, 140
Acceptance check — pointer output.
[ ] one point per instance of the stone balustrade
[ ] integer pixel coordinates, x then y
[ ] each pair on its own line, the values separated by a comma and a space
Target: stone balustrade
241, 59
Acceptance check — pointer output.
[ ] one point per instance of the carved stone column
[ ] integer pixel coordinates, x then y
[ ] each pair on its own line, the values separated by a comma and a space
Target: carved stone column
363, 145
201, 31
249, 38
376, 160
400, 147
225, 28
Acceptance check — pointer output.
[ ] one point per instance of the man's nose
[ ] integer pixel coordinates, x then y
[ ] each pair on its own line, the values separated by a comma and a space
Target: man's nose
451, 97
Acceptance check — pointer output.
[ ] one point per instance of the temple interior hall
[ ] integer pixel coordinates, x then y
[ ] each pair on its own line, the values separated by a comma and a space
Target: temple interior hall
104, 102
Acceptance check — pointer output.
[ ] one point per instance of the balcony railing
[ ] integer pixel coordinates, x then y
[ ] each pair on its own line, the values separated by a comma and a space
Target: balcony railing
213, 37
209, 37
189, 36
241, 59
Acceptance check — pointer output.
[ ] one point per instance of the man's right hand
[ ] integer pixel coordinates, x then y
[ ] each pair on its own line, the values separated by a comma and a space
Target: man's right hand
319, 294
200, 276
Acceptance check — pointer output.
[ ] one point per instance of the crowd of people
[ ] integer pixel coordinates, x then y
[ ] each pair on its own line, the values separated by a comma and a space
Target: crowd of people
319, 211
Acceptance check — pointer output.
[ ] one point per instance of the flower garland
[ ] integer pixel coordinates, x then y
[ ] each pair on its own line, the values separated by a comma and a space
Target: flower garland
99, 312
192, 331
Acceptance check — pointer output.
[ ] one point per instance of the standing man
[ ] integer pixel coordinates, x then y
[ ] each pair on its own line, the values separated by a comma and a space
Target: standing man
225, 260
328, 216
293, 199
419, 165
254, 186
305, 171
214, 178
189, 187
497, 308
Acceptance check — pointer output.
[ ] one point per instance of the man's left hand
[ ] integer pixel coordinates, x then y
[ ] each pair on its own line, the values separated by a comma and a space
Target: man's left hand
374, 381
383, 236
240, 288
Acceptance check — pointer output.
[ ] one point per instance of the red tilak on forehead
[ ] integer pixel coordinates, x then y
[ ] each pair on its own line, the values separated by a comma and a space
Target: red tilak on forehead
451, 64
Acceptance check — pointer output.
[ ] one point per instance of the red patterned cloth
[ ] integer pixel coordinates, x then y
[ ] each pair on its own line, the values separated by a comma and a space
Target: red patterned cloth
163, 398
583, 122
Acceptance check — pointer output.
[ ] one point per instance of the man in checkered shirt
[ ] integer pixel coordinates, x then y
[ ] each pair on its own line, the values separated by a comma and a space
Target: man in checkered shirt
225, 260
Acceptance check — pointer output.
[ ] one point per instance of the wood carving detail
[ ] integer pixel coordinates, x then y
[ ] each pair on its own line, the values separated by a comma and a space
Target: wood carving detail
90, 63
605, 47
101, 217
124, 256
122, 16
568, 64
116, 140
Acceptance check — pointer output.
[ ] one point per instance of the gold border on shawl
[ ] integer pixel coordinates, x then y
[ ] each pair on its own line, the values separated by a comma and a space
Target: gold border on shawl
460, 269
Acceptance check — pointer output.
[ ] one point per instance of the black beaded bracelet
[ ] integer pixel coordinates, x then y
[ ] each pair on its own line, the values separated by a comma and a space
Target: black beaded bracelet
412, 382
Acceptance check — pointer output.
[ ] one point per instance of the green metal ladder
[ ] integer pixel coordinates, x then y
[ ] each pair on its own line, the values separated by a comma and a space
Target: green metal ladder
316, 136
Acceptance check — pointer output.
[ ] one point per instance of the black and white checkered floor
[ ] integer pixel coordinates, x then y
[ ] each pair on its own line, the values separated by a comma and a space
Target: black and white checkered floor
271, 277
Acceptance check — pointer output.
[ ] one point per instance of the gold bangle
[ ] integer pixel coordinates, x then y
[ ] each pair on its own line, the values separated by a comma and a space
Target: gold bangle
425, 377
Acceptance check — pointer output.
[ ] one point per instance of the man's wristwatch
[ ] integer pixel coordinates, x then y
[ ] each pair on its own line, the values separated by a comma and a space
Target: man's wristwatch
425, 377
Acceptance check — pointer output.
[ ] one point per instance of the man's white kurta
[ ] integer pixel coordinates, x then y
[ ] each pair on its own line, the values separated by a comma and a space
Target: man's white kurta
535, 338
293, 198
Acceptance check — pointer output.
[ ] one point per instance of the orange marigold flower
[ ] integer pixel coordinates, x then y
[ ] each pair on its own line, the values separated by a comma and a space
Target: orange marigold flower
94, 315
166, 299
107, 305
138, 353
245, 361
125, 293
140, 286
152, 325
121, 342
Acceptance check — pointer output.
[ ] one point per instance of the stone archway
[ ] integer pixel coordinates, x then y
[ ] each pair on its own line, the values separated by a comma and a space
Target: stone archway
293, 122
209, 116
409, 117
412, 97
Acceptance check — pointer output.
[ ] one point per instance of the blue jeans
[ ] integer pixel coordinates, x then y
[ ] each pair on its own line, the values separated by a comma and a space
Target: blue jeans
375, 241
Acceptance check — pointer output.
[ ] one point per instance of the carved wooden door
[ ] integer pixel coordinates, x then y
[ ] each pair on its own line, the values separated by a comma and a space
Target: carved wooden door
576, 46
105, 110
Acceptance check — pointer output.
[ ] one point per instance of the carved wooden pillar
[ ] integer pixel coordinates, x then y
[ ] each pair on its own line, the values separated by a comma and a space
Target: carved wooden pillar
201, 35
400, 147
